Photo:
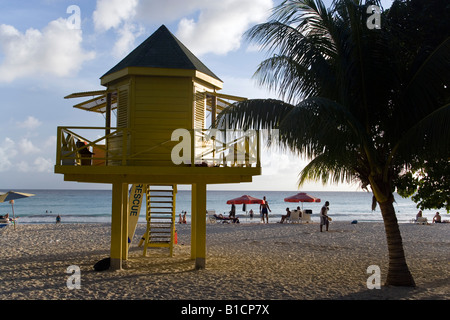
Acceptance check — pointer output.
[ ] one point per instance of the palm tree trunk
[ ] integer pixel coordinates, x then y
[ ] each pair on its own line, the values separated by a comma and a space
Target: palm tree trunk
398, 272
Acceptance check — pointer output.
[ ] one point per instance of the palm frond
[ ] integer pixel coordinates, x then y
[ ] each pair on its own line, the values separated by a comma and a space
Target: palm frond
318, 125
300, 45
254, 114
430, 83
429, 137
328, 169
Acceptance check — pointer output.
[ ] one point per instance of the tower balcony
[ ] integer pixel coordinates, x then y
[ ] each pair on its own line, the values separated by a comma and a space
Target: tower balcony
182, 156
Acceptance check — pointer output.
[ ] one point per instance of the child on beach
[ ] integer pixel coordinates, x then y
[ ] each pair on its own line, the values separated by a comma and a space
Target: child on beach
182, 219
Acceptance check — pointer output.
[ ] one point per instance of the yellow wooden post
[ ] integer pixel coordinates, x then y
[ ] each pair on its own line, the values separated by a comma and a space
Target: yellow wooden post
116, 226
194, 136
58, 144
108, 114
124, 146
173, 231
258, 151
124, 221
193, 219
200, 226
213, 111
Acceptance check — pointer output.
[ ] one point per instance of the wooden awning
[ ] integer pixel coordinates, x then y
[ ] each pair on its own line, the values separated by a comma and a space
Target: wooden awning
96, 104
85, 94
221, 100
227, 96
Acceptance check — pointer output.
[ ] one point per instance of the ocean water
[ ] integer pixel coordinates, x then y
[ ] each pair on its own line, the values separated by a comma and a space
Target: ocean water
89, 206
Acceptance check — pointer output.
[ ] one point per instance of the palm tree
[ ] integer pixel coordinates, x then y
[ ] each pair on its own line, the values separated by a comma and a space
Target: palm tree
349, 103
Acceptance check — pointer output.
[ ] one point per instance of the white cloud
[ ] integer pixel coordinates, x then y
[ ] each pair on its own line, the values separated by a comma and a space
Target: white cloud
217, 26
56, 50
7, 153
27, 147
23, 166
25, 156
221, 24
42, 164
168, 10
127, 34
30, 123
246, 87
112, 13
50, 143
118, 15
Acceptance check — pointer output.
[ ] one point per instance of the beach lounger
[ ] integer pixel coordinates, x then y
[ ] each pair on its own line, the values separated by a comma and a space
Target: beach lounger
306, 216
295, 217
225, 219
421, 220
211, 216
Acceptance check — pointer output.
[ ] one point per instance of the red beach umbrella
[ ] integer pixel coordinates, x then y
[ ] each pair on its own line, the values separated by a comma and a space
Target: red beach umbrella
245, 199
301, 197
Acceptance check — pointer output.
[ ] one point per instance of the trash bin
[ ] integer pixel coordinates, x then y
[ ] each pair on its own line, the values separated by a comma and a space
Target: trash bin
85, 154
67, 162
86, 157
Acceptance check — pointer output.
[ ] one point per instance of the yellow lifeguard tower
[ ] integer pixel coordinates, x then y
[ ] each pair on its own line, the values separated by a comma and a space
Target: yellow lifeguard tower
165, 102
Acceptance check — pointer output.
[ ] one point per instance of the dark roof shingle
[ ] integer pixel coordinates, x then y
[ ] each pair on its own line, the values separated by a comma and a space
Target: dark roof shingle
162, 50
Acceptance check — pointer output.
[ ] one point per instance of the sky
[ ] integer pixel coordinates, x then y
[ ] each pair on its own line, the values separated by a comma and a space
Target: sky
51, 48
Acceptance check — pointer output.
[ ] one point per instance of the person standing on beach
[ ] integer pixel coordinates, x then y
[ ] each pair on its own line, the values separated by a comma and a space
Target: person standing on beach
263, 207
233, 211
324, 216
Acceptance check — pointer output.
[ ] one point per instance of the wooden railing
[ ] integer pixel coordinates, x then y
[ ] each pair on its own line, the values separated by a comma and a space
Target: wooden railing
99, 146
76, 149
227, 148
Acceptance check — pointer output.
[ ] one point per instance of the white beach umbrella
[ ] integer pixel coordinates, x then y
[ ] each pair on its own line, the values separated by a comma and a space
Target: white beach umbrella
12, 195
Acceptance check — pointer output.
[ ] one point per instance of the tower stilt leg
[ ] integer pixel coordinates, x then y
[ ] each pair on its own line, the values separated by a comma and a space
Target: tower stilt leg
200, 226
117, 227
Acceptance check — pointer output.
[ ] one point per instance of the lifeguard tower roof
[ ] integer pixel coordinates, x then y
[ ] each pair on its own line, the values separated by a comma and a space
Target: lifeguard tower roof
162, 50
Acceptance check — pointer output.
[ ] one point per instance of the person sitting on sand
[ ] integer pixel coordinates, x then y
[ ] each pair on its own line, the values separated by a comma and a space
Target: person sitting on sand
285, 216
437, 218
419, 215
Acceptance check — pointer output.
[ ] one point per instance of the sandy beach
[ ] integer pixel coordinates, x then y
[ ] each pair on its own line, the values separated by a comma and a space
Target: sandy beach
244, 262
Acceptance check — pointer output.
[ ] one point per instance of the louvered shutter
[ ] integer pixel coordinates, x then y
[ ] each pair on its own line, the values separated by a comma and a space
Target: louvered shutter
200, 110
122, 109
